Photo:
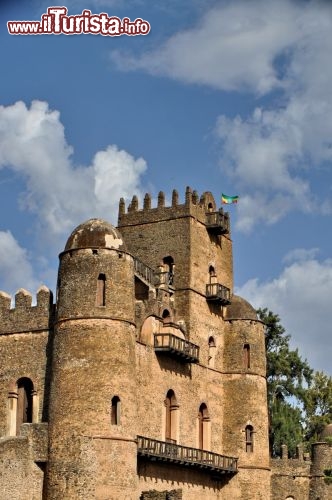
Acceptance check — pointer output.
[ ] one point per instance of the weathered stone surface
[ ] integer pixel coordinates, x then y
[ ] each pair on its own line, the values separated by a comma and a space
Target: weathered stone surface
95, 381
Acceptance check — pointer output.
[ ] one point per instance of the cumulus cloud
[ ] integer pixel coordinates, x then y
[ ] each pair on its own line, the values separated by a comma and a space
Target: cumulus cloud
301, 295
267, 48
15, 265
233, 47
61, 194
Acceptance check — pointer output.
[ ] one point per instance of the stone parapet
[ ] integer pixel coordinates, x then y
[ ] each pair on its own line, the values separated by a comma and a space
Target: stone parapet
24, 317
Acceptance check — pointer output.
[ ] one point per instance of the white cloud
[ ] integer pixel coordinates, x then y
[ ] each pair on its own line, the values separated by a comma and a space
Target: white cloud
272, 155
301, 254
15, 266
233, 47
259, 47
60, 194
301, 295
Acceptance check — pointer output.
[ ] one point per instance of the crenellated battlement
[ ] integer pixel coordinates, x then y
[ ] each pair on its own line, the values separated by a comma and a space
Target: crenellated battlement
24, 317
193, 206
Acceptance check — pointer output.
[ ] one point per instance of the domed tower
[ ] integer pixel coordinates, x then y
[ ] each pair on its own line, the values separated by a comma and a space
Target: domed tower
92, 449
245, 429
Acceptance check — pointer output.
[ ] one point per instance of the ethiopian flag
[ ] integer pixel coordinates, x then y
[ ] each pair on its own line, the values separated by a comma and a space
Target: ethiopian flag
229, 199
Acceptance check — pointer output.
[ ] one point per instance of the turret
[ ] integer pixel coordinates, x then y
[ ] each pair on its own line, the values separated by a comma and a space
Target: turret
245, 431
93, 389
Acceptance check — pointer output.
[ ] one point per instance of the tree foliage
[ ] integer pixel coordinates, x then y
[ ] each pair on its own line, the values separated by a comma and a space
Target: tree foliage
318, 405
299, 399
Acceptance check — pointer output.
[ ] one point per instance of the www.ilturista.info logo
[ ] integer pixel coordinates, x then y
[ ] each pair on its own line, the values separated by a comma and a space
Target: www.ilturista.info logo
57, 22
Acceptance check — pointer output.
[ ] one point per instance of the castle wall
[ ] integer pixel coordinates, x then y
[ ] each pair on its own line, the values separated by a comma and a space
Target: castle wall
290, 478
100, 383
25, 351
22, 463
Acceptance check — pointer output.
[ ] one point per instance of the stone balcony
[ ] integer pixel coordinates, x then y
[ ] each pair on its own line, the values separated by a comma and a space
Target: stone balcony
161, 451
217, 222
215, 292
176, 347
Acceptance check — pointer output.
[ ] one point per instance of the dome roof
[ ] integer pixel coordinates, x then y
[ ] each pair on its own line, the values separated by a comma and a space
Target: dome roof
95, 233
327, 431
240, 309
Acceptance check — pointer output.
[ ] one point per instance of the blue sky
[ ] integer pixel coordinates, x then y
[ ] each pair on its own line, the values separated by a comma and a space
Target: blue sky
232, 97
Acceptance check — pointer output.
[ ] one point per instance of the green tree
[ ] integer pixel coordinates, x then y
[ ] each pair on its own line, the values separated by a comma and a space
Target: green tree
288, 378
318, 405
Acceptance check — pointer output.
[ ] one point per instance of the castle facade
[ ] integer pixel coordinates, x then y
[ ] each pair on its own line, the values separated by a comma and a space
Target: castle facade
145, 378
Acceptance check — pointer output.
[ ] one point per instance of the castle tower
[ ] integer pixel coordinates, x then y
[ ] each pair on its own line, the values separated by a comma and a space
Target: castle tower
245, 430
191, 242
93, 387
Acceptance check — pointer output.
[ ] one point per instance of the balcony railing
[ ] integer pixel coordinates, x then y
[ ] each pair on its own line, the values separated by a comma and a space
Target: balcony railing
164, 278
161, 451
217, 222
176, 347
218, 293
144, 271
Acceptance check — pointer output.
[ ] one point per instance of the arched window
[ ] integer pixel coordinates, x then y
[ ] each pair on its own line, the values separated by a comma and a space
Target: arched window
166, 316
203, 428
101, 290
169, 268
212, 274
246, 356
212, 352
249, 432
24, 410
171, 423
115, 411
212, 271
210, 207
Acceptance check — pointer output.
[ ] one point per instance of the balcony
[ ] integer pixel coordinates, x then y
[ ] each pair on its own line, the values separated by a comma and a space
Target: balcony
165, 278
207, 461
217, 222
218, 293
176, 347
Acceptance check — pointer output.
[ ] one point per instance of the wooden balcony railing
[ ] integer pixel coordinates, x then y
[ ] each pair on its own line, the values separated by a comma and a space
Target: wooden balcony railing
218, 293
145, 272
164, 278
176, 347
161, 451
217, 222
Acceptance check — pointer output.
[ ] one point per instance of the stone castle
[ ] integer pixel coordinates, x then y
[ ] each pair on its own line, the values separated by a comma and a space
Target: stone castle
146, 378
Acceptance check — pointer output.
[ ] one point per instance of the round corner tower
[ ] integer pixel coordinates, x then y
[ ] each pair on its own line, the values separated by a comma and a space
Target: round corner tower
93, 390
245, 396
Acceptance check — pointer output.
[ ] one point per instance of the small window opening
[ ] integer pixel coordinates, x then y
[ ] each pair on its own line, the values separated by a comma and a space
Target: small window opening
212, 352
210, 207
249, 432
171, 417
246, 356
115, 411
212, 272
169, 268
24, 402
101, 290
94, 251
166, 316
203, 427
212, 342
212, 275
